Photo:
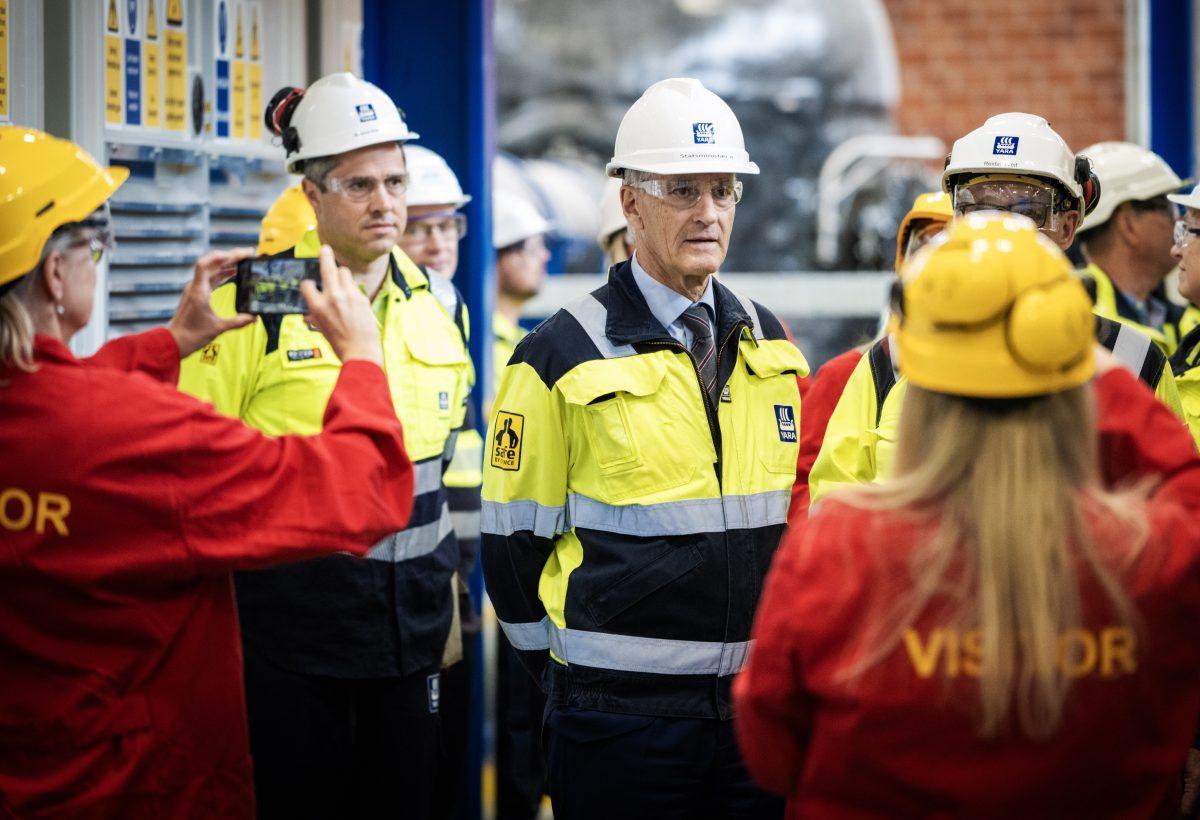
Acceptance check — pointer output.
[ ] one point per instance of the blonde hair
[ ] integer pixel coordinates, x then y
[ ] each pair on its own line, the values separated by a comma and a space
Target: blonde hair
1009, 481
16, 328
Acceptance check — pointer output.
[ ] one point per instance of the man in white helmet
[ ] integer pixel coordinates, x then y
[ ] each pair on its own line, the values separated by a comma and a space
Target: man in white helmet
642, 449
1127, 240
343, 654
519, 239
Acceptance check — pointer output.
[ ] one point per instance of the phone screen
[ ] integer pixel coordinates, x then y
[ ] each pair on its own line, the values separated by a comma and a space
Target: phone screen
271, 285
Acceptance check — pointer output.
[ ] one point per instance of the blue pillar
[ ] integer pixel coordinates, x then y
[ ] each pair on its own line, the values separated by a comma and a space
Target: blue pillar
1172, 84
436, 60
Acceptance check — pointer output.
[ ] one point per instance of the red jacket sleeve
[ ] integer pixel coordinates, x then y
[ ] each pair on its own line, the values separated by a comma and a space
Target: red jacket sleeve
248, 500
817, 406
1139, 437
771, 712
153, 353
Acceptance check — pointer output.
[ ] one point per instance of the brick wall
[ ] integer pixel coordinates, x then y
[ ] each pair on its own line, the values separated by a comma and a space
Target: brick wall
962, 61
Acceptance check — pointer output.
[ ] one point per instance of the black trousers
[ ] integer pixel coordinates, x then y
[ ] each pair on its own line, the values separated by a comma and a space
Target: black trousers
520, 762
327, 747
450, 785
604, 765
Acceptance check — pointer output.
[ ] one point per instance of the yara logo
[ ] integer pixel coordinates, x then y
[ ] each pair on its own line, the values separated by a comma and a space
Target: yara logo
703, 132
1006, 145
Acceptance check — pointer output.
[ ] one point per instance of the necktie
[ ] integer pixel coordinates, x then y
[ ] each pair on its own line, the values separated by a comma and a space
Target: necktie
704, 350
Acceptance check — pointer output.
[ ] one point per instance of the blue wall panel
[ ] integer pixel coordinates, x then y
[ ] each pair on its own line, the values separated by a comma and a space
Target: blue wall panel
1172, 78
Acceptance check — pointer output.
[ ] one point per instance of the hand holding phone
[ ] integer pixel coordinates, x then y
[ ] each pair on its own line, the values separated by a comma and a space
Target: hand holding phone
342, 312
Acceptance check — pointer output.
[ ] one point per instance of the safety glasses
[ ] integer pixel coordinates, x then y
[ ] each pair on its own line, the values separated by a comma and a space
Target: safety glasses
1036, 202
452, 226
683, 193
1184, 231
919, 237
360, 189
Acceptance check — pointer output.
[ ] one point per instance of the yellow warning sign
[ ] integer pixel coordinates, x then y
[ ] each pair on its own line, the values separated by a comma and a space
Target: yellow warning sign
114, 19
254, 111
175, 12
239, 99
112, 80
152, 83
239, 41
152, 20
506, 444
175, 95
3, 59
255, 52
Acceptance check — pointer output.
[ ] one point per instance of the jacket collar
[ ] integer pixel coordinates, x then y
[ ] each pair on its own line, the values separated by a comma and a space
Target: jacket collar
404, 273
630, 321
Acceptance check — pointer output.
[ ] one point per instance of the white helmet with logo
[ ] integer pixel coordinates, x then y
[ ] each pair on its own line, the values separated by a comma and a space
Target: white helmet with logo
1126, 172
515, 219
612, 216
1026, 145
680, 127
430, 180
336, 114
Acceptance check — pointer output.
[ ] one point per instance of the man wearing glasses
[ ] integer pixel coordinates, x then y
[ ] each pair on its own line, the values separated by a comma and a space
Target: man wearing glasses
1127, 240
1185, 361
343, 654
639, 461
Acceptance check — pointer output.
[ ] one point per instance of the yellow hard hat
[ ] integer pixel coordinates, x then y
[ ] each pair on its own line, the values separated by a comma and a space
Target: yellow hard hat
45, 183
935, 206
991, 309
290, 218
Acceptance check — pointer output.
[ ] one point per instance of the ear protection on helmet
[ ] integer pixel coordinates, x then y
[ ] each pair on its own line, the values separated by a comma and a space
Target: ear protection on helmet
1089, 182
278, 116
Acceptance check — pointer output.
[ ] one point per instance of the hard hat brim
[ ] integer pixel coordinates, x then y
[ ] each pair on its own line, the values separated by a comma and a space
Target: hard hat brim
683, 167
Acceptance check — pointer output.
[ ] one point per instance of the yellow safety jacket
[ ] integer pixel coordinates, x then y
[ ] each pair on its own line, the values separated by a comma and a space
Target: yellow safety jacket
627, 521
860, 440
1110, 303
1185, 363
507, 336
342, 616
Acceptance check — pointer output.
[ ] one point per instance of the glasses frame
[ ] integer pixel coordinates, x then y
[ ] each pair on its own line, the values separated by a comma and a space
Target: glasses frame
429, 223
1184, 231
1049, 223
657, 188
340, 186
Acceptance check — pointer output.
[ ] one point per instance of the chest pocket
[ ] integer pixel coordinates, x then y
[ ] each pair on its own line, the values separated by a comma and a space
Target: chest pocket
630, 418
428, 384
308, 370
774, 401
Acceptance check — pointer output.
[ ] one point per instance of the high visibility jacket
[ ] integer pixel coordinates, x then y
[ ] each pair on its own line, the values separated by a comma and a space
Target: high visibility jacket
811, 730
124, 506
628, 522
1113, 304
508, 336
861, 438
345, 617
1185, 364
820, 396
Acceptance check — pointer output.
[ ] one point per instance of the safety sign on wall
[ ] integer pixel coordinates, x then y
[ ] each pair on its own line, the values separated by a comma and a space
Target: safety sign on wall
254, 112
112, 65
4, 115
152, 69
239, 75
175, 87
132, 64
222, 95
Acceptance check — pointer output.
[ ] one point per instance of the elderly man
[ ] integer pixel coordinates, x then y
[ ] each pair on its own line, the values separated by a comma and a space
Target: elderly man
342, 654
641, 450
1127, 240
1186, 359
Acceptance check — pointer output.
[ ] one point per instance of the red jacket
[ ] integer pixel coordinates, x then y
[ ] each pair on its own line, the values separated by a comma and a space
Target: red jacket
820, 399
903, 743
124, 506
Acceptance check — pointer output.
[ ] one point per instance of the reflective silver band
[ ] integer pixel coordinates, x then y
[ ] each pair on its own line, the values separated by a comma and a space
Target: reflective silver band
528, 637
660, 656
427, 475
593, 316
505, 518
1131, 347
749, 307
465, 523
689, 517
415, 542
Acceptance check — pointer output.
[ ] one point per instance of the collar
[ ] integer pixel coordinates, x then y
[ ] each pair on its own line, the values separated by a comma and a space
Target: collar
505, 329
630, 319
404, 273
47, 347
668, 305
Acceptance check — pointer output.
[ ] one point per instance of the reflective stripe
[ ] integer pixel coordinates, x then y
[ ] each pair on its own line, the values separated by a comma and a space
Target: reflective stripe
528, 637
593, 316
662, 656
750, 309
415, 542
505, 518
427, 476
450, 446
692, 516
466, 524
1130, 348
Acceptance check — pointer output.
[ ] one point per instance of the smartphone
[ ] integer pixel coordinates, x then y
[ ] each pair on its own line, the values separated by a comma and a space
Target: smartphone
271, 285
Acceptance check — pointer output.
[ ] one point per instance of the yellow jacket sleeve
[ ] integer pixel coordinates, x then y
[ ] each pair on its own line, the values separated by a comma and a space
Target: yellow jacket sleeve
847, 454
223, 371
1168, 392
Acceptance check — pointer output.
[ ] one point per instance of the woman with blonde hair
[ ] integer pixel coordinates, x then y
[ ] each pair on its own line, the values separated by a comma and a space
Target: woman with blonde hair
990, 633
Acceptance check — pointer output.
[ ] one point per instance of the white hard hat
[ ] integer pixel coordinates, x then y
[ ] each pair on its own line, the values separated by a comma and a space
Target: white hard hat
430, 180
514, 218
612, 216
1126, 172
1188, 200
1016, 143
336, 114
680, 127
